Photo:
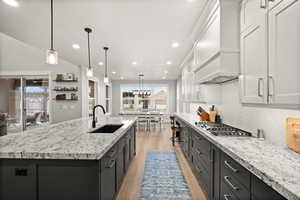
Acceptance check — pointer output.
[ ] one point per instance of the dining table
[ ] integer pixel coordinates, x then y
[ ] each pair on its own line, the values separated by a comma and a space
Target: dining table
146, 116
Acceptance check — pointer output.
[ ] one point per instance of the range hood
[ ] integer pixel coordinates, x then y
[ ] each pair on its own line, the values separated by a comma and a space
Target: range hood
217, 51
221, 68
220, 78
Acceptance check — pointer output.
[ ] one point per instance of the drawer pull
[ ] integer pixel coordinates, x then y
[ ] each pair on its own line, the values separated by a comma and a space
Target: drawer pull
21, 172
198, 169
227, 196
199, 152
230, 167
111, 164
112, 153
226, 178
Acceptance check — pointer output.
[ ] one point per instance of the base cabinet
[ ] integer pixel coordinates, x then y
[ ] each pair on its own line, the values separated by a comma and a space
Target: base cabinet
214, 192
67, 179
120, 166
17, 180
220, 176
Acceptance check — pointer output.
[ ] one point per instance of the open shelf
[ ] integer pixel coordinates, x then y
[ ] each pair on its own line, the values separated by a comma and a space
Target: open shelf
66, 81
65, 90
65, 99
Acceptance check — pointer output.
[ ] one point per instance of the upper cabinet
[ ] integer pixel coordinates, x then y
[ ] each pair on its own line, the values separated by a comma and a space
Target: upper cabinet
254, 57
284, 50
270, 46
216, 52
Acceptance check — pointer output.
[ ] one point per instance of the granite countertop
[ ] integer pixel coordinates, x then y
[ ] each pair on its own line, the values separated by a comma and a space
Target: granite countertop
277, 166
65, 140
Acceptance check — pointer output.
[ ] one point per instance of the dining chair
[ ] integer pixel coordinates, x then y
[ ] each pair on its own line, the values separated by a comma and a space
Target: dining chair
143, 121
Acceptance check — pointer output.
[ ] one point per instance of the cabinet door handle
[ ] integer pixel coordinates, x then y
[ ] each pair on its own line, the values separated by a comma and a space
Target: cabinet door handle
230, 167
227, 196
259, 80
226, 178
263, 4
271, 89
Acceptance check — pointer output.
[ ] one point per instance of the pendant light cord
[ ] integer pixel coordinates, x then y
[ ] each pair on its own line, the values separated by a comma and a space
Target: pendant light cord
89, 50
106, 63
52, 25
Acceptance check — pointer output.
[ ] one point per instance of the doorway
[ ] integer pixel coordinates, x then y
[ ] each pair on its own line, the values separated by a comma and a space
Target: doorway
24, 103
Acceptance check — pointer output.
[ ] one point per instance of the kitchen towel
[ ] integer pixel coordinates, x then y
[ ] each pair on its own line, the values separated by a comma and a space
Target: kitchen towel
163, 178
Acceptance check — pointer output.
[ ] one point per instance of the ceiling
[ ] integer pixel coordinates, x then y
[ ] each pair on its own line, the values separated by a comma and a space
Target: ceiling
135, 30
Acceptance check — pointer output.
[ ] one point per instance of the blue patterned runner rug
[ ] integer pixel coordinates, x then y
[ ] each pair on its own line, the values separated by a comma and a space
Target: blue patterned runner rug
163, 178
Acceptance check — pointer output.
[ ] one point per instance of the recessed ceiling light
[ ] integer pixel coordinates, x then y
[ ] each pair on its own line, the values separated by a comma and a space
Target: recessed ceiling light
164, 77
169, 62
190, 1
101, 63
121, 77
166, 72
76, 46
134, 63
114, 72
175, 44
12, 3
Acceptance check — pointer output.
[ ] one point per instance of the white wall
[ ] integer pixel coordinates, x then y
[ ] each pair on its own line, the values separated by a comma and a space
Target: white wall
17, 57
4, 98
252, 117
116, 93
98, 78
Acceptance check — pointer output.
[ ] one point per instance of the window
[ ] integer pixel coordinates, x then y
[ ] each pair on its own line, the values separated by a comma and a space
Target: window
154, 98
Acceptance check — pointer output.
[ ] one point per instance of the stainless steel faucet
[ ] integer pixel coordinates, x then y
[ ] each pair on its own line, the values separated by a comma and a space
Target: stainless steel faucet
94, 118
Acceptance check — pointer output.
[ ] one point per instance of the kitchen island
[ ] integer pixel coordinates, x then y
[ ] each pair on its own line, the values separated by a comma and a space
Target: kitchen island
65, 161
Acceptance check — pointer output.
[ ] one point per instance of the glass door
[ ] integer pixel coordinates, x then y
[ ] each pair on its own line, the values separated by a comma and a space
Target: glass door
10, 105
36, 101
24, 103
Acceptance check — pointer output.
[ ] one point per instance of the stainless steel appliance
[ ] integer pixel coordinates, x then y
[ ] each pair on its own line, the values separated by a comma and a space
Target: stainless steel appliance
219, 129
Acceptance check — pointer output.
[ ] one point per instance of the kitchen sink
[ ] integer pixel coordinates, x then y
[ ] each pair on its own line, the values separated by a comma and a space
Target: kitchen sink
109, 128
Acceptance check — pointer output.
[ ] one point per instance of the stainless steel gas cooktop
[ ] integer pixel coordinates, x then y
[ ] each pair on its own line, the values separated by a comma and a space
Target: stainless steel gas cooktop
222, 129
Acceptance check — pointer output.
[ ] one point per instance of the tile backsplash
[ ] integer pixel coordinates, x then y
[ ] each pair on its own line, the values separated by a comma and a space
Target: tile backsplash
251, 117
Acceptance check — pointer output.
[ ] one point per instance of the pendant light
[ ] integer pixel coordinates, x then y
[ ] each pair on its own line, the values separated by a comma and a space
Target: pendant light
90, 69
52, 57
106, 79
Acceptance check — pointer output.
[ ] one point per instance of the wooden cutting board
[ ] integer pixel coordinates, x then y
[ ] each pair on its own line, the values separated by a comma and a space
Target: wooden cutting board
212, 116
293, 133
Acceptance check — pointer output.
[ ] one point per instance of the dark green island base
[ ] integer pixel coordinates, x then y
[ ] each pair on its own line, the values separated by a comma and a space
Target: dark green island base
42, 179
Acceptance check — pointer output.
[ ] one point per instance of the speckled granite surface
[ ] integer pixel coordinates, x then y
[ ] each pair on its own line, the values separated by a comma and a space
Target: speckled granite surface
65, 140
278, 167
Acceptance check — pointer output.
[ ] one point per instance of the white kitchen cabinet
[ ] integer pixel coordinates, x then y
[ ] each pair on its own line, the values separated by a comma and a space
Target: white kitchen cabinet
270, 46
284, 50
254, 53
252, 12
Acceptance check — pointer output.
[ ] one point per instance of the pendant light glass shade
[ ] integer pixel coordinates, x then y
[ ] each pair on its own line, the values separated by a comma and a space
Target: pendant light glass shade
52, 57
90, 72
106, 80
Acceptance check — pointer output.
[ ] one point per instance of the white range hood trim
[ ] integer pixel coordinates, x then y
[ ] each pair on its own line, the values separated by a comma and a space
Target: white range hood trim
211, 78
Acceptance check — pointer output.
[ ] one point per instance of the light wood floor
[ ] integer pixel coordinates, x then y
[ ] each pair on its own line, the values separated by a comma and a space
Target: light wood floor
155, 141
